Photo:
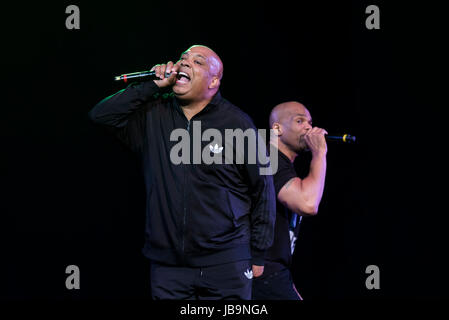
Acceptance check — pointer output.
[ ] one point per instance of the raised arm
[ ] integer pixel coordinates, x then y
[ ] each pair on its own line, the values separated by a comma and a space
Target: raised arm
303, 196
125, 112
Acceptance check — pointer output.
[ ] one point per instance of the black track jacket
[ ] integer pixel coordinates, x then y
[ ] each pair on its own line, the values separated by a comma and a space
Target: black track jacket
196, 214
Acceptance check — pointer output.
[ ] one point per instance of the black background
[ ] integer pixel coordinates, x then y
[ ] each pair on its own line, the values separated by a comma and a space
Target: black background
73, 195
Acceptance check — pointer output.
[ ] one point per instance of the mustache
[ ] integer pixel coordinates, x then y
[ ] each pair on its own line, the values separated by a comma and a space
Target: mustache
302, 144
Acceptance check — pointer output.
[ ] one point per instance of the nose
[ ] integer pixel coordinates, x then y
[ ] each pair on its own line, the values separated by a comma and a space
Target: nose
308, 126
185, 63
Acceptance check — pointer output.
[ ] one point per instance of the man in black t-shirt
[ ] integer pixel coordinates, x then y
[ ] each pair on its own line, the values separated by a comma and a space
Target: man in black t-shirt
296, 197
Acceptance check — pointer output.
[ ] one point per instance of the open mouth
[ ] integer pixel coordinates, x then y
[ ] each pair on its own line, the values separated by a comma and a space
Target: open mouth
183, 77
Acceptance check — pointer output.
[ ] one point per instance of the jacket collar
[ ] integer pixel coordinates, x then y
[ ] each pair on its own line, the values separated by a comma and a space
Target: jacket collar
216, 101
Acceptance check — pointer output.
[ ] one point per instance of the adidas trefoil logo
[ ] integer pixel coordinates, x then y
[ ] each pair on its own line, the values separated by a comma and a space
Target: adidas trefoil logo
215, 149
248, 274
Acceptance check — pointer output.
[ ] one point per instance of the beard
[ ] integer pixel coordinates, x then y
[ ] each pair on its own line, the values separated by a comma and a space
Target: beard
302, 145
295, 143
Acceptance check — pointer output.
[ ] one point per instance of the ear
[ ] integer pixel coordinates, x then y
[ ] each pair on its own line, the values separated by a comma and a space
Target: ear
277, 127
215, 83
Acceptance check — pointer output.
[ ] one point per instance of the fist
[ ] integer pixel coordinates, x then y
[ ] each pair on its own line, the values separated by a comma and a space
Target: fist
161, 70
316, 141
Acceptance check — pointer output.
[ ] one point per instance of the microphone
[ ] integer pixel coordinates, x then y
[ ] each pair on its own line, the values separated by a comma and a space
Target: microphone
140, 76
346, 138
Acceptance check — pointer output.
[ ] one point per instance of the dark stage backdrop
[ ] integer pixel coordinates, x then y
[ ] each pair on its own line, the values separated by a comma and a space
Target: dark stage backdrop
73, 195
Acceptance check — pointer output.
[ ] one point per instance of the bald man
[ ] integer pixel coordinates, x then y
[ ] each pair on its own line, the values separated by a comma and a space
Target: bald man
207, 225
292, 125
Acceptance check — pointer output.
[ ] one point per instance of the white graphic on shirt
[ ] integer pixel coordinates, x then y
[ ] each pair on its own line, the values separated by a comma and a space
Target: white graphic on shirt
295, 221
248, 274
215, 149
292, 241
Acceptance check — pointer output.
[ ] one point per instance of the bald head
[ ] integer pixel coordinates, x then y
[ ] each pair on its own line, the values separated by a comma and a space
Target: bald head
203, 70
286, 111
290, 122
216, 65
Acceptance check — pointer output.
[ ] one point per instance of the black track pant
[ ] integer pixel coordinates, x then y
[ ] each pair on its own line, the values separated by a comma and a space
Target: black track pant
225, 281
275, 286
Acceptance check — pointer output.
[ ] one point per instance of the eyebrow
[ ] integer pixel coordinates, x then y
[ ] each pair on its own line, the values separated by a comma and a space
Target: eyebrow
196, 55
302, 115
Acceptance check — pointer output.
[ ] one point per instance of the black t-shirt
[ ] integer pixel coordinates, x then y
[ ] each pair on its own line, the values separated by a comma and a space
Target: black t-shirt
279, 256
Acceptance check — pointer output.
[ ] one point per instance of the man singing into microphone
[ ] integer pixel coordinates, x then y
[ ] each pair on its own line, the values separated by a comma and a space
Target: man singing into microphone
207, 225
292, 125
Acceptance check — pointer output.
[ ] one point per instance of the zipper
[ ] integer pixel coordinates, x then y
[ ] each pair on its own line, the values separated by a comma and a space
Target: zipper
184, 200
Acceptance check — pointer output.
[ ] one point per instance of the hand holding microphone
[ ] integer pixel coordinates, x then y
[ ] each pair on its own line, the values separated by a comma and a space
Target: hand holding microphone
315, 140
166, 73
158, 74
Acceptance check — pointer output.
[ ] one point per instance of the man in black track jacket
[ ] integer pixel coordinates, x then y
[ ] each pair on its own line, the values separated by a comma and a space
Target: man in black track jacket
207, 225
